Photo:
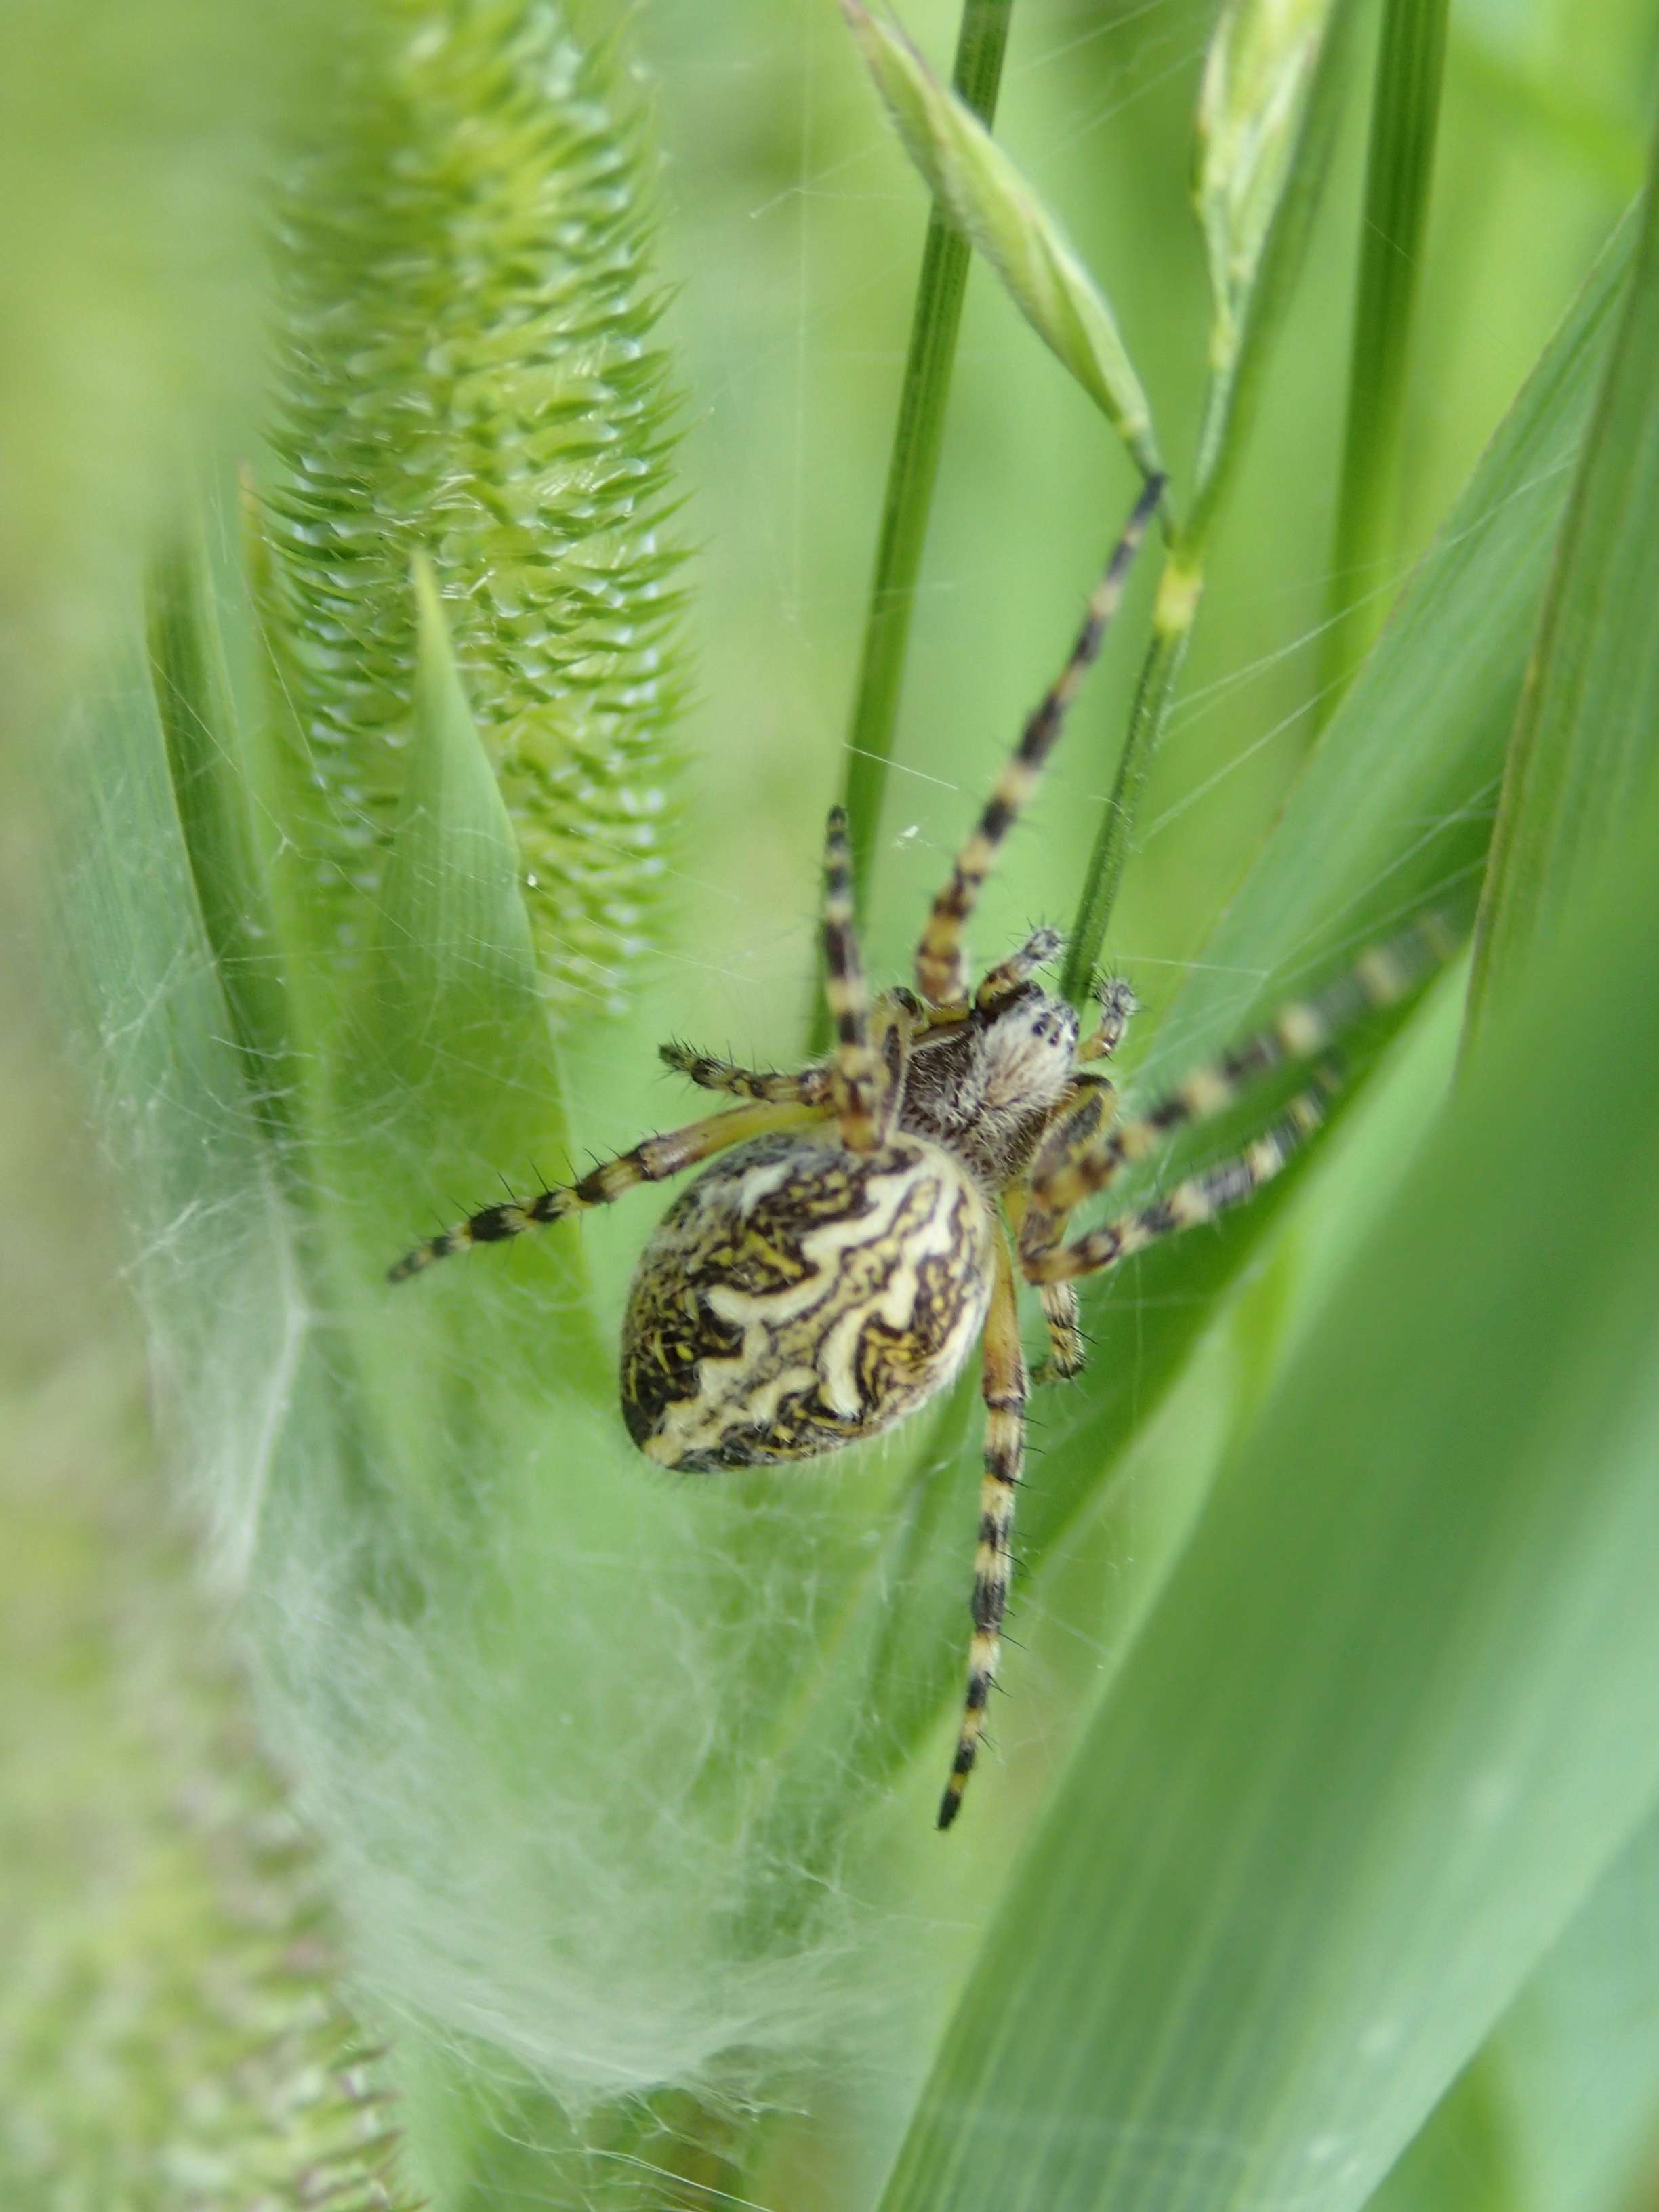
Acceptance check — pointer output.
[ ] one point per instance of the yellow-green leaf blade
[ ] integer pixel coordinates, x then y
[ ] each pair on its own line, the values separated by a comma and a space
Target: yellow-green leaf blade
1389, 816
1584, 758
1269, 109
985, 196
1405, 120
1399, 1705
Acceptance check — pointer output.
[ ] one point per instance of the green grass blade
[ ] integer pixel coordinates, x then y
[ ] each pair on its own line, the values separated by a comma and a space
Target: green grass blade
1172, 633
1388, 817
1584, 753
1269, 109
1274, 80
454, 980
1389, 814
1405, 127
1463, 2159
912, 466
1568, 2083
198, 718
1397, 1707
983, 193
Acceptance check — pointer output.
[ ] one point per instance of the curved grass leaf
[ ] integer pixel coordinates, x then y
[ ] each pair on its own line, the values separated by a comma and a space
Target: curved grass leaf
198, 718
1268, 113
1405, 124
983, 193
1398, 1706
1561, 2106
1390, 815
454, 979
1585, 753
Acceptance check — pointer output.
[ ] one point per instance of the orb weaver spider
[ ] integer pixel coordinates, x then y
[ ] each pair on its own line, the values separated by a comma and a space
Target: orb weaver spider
863, 1221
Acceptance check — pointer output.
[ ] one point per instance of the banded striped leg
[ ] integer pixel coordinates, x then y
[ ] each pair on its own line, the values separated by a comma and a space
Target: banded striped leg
654, 1161
1067, 1356
1010, 975
941, 955
1199, 1198
1081, 1152
1118, 1008
810, 1086
1002, 1383
853, 1083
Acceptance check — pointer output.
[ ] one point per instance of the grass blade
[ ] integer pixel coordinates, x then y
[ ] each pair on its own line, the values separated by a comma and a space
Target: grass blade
1389, 816
1405, 125
1267, 116
985, 196
1397, 1707
1562, 2101
198, 718
454, 981
1583, 756
1270, 101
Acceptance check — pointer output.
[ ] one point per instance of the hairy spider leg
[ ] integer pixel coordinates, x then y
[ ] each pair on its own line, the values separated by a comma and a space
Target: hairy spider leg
1059, 1305
654, 1161
1118, 1005
1118, 1008
1197, 1199
1002, 1379
1010, 976
854, 1083
1080, 1155
891, 1023
941, 955
1067, 1356
1081, 1119
808, 1086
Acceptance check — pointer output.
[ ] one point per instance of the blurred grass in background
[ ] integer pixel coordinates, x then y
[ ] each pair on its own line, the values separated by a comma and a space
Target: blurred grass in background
794, 1966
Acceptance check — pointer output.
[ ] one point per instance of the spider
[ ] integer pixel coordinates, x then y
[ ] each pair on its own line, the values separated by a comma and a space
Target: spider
863, 1221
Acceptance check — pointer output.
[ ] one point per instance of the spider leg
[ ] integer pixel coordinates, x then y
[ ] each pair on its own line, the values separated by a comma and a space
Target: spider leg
808, 1086
1002, 982
855, 1081
1118, 1008
1198, 1197
1003, 1385
652, 1161
1082, 1150
941, 959
1067, 1356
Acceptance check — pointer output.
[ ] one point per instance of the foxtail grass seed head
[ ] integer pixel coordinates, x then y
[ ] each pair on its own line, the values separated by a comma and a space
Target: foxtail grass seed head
469, 372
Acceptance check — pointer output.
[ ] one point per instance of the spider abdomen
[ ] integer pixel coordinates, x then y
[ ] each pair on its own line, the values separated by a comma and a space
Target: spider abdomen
798, 1295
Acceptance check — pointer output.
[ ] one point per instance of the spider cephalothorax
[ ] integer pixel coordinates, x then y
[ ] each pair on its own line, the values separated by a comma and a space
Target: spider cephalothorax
867, 1219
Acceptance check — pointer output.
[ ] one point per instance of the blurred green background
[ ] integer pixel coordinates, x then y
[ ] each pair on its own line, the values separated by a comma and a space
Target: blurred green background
135, 150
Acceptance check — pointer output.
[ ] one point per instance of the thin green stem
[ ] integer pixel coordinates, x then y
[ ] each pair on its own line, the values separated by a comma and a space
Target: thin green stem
912, 472
1405, 118
913, 468
1179, 590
